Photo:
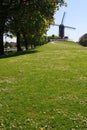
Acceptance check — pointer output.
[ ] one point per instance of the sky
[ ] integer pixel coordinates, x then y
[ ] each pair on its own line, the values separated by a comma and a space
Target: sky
75, 17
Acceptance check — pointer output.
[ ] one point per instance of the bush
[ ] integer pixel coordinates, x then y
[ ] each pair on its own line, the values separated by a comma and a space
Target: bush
53, 37
83, 40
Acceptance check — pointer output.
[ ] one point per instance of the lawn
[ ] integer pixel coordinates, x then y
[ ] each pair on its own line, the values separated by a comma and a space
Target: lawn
45, 89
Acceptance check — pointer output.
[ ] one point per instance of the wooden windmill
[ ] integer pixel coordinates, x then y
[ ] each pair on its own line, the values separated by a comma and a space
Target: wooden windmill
62, 27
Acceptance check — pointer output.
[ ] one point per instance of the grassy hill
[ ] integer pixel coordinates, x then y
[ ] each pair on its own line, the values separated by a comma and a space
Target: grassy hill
45, 90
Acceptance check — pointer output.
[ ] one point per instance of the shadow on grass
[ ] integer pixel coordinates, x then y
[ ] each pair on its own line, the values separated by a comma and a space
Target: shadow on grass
14, 54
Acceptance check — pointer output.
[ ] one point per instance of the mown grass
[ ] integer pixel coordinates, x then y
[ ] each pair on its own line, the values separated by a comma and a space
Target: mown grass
45, 90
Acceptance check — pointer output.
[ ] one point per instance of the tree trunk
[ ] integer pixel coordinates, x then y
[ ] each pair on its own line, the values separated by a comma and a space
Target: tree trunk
18, 42
1, 42
25, 42
2, 24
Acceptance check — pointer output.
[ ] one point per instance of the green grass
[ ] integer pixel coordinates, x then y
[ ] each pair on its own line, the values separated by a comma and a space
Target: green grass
46, 89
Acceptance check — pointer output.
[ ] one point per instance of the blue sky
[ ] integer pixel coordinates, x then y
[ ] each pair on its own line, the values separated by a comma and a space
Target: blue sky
75, 17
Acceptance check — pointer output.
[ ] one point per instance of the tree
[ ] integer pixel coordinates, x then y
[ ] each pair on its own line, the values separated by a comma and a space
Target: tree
5, 7
3, 15
14, 21
40, 17
83, 40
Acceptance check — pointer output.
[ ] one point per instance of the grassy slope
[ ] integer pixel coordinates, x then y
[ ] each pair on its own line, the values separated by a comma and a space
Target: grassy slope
47, 89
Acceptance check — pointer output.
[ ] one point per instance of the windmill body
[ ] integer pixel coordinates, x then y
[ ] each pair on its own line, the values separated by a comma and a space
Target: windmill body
62, 28
61, 31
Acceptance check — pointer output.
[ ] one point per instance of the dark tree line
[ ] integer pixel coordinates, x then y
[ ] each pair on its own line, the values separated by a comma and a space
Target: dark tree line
26, 19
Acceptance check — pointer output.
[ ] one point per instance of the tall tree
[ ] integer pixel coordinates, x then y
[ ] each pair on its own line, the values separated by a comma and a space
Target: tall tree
3, 15
38, 17
6, 6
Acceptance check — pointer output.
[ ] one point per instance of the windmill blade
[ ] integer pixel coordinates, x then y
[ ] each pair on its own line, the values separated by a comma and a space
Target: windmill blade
69, 27
63, 18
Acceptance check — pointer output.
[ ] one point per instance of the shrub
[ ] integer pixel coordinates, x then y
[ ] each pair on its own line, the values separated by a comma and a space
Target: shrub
83, 40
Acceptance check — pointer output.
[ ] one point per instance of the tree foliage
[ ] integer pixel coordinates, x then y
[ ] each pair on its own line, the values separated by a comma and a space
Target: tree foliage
83, 40
27, 18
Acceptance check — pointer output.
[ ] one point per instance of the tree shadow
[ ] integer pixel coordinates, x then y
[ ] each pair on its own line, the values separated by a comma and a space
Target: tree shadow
14, 54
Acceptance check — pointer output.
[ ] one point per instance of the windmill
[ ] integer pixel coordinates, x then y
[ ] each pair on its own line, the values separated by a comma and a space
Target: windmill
62, 27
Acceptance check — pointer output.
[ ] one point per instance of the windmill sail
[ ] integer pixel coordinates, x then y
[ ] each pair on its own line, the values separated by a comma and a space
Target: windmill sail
63, 18
69, 27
